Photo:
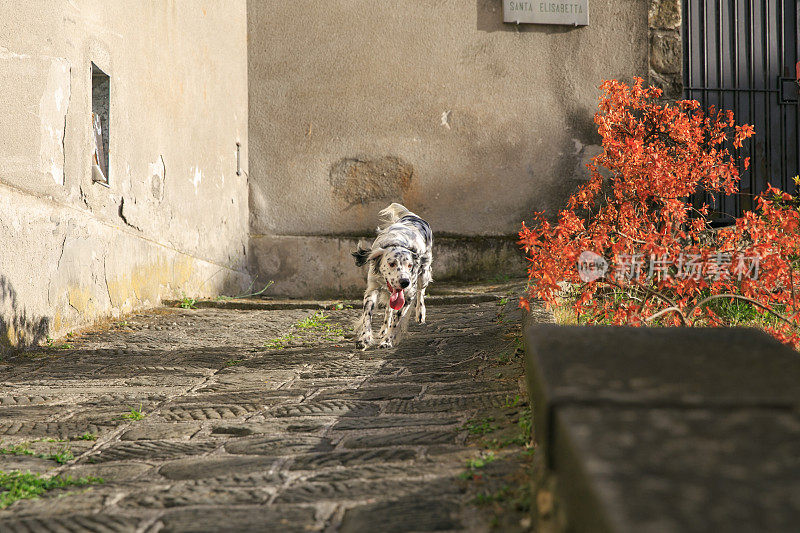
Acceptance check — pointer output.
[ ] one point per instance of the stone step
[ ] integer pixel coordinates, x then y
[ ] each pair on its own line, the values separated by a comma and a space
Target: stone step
263, 304
668, 429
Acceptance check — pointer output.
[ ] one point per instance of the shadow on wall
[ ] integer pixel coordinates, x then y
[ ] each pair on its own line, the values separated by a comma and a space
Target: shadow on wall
489, 18
17, 329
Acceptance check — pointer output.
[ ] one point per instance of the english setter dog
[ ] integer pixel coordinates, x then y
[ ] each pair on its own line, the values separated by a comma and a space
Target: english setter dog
400, 271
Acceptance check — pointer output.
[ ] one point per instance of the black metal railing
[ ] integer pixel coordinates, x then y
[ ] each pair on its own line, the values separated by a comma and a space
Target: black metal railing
743, 55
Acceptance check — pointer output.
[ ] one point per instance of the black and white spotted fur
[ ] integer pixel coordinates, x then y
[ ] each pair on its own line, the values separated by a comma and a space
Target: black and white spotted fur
400, 257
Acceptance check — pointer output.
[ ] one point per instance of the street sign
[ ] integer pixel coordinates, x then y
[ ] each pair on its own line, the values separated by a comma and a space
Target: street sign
572, 12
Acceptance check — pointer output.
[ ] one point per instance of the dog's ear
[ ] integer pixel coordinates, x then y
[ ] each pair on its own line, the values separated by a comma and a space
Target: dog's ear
377, 253
361, 255
375, 257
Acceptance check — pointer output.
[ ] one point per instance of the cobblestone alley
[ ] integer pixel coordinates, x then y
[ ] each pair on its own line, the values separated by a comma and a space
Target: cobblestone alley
267, 419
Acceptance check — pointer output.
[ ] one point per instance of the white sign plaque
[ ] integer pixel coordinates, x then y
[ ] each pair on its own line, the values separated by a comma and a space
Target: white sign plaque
570, 12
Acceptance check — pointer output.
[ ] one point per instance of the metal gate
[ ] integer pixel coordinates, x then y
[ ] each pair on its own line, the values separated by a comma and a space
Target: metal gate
743, 55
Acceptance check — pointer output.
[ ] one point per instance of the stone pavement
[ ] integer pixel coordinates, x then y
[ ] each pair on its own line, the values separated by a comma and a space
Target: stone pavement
270, 420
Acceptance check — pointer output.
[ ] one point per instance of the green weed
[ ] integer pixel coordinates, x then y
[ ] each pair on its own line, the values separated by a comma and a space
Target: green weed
51, 343
87, 436
233, 362
17, 485
735, 312
480, 462
483, 498
17, 449
187, 302
477, 464
134, 414
525, 425
315, 321
332, 334
61, 456
513, 402
482, 426
280, 343
318, 321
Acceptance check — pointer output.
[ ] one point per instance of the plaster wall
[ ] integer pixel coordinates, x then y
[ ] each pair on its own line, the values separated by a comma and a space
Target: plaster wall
174, 217
470, 122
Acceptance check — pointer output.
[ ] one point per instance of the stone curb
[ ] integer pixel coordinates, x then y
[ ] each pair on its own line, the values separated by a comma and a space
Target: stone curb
667, 429
271, 305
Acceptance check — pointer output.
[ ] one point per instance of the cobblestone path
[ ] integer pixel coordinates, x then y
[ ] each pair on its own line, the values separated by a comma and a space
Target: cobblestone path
263, 420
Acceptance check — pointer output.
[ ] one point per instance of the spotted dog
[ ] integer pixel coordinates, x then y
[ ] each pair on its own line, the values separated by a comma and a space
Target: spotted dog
400, 271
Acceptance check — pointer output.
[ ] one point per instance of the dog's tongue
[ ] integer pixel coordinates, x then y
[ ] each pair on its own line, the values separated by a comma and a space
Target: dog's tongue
396, 300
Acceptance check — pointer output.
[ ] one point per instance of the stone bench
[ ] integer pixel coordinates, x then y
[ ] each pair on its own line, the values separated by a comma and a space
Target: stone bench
667, 429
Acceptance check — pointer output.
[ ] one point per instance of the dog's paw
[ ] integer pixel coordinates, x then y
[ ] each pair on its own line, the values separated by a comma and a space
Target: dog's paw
364, 342
385, 343
421, 316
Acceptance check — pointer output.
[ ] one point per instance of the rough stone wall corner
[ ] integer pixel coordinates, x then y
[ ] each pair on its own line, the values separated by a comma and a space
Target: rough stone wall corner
665, 68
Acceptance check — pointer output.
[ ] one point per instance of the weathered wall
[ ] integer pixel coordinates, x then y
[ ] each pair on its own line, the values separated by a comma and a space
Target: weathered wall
666, 47
175, 215
472, 123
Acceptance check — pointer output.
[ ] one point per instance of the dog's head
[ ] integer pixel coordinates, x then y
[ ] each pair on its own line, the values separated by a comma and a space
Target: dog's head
396, 265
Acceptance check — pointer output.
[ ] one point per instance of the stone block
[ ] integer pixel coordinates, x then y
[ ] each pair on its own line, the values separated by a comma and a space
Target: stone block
668, 429
666, 52
253, 518
405, 514
670, 84
678, 470
664, 14
208, 467
655, 366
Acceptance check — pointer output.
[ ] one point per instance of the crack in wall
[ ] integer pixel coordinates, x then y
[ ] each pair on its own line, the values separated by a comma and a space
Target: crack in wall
122, 215
64, 132
58, 265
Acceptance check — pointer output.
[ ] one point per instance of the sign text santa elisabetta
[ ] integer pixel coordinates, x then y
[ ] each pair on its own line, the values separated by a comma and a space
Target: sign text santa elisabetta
573, 12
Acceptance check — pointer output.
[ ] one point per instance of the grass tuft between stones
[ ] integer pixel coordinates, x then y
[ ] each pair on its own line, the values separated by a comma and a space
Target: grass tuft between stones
133, 414
16, 485
317, 325
62, 456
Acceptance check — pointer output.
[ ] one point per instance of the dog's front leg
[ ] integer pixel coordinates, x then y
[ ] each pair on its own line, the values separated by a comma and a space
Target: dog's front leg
365, 327
387, 324
420, 307
394, 326
422, 284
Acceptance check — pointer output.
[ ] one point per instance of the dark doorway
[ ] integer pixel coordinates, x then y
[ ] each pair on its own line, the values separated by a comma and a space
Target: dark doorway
742, 55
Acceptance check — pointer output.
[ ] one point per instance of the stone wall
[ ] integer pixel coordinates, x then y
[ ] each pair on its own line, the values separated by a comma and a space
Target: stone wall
666, 47
174, 216
470, 122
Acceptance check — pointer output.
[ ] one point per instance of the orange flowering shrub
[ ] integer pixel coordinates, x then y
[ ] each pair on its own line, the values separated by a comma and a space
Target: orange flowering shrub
632, 245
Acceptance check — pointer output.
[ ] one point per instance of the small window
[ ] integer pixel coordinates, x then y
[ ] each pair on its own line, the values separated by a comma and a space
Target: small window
101, 98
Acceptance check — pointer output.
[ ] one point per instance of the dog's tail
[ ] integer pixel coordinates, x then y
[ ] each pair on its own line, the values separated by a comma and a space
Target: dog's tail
393, 213
361, 255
